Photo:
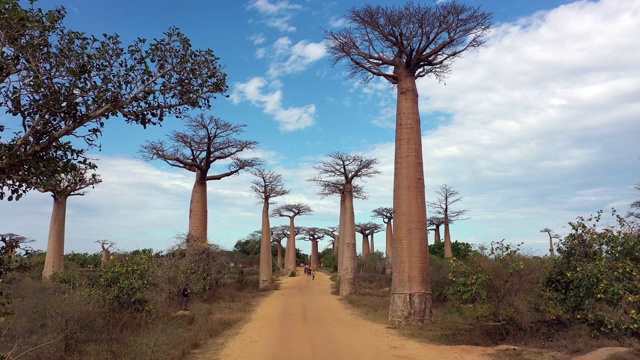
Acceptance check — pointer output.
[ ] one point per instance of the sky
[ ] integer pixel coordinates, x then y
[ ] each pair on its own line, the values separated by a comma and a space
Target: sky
536, 128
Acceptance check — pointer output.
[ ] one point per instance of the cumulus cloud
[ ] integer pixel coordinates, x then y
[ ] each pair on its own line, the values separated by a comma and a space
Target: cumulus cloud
257, 92
288, 58
277, 14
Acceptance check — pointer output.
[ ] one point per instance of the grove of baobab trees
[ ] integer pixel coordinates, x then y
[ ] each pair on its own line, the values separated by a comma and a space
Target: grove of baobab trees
401, 44
61, 187
207, 139
266, 186
291, 211
386, 215
367, 230
71, 83
338, 173
447, 196
314, 235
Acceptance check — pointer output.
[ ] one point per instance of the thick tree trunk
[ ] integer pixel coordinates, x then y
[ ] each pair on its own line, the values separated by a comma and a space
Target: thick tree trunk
265, 249
389, 248
551, 252
290, 254
315, 262
437, 239
410, 301
448, 254
341, 223
198, 213
365, 246
105, 257
348, 240
54, 259
372, 247
280, 262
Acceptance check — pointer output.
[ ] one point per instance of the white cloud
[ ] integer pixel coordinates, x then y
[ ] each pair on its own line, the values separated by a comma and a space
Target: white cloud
289, 59
289, 119
277, 13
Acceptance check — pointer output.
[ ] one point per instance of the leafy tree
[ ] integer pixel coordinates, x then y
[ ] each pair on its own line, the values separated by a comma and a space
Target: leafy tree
291, 211
447, 197
401, 44
337, 175
250, 245
266, 186
207, 140
56, 83
329, 259
372, 263
460, 250
62, 186
595, 278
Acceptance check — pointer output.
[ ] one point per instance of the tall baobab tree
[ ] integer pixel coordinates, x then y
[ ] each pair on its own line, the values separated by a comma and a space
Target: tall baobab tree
339, 173
367, 230
266, 186
61, 187
552, 236
333, 233
436, 222
207, 140
105, 245
386, 214
291, 211
447, 197
401, 44
314, 235
279, 233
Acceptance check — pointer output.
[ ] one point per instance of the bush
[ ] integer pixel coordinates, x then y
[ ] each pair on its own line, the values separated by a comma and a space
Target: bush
460, 250
596, 277
292, 273
372, 263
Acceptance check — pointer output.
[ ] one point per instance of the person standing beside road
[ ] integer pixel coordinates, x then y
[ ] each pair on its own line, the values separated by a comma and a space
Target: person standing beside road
185, 297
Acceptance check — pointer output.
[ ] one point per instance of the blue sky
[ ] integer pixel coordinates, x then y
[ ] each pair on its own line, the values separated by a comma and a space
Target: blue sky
538, 127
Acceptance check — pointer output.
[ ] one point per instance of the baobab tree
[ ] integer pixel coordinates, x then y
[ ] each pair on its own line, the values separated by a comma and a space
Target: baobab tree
279, 233
447, 197
207, 140
105, 245
291, 211
436, 222
386, 214
332, 232
71, 84
266, 186
552, 236
367, 230
314, 235
61, 188
401, 44
339, 173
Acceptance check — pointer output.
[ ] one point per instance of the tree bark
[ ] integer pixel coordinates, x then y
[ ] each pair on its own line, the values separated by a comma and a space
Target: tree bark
410, 301
437, 239
448, 254
198, 213
389, 248
54, 259
340, 240
280, 262
290, 254
372, 247
348, 240
265, 249
105, 257
315, 262
365, 246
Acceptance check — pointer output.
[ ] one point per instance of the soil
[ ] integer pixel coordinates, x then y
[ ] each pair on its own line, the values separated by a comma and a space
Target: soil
303, 320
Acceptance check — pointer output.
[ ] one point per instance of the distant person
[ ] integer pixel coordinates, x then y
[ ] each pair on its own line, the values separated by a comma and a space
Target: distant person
313, 274
185, 297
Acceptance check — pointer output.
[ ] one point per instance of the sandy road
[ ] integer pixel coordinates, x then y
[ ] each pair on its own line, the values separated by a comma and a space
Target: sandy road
302, 320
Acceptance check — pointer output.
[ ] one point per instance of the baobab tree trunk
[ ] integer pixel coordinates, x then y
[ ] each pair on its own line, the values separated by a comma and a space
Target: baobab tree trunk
437, 239
410, 301
54, 260
348, 240
389, 248
365, 246
280, 263
448, 254
265, 249
315, 262
105, 257
198, 213
551, 252
290, 254
341, 223
372, 247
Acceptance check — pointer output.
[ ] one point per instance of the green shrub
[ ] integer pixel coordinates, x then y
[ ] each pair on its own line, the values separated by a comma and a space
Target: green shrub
373, 263
595, 278
460, 250
292, 273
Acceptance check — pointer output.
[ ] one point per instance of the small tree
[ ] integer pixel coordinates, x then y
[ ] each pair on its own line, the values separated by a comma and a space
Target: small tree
447, 197
552, 236
266, 186
207, 140
61, 188
291, 211
105, 245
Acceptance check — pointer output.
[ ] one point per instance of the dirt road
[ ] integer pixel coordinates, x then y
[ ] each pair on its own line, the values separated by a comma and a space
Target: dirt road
303, 320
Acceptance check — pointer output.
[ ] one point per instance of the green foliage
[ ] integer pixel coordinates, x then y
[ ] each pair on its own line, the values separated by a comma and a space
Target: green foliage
84, 260
373, 263
329, 259
596, 277
70, 83
124, 281
460, 250
292, 273
248, 246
